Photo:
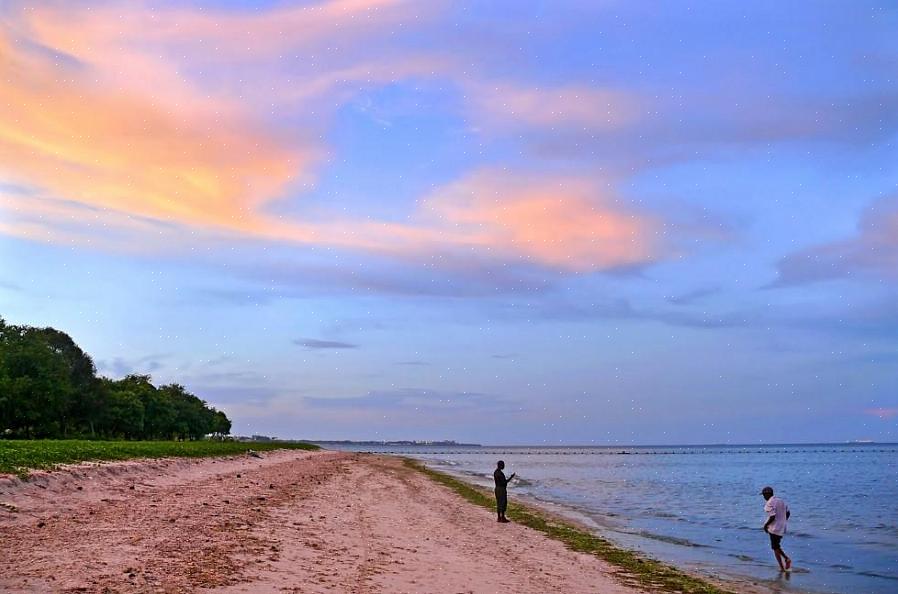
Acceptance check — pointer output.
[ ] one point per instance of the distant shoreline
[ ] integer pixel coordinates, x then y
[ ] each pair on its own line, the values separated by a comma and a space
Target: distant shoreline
591, 446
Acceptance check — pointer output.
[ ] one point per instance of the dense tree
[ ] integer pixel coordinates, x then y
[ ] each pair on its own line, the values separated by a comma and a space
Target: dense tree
221, 424
34, 384
124, 415
49, 388
85, 408
194, 418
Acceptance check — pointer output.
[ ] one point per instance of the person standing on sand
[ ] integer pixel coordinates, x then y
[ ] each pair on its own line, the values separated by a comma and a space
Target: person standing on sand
777, 514
501, 492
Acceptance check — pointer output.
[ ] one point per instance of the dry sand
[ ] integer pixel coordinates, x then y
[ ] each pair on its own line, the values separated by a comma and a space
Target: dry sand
287, 522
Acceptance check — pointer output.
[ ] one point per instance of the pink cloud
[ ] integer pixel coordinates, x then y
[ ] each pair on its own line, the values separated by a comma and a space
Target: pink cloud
569, 223
107, 110
882, 413
576, 106
223, 34
110, 108
206, 162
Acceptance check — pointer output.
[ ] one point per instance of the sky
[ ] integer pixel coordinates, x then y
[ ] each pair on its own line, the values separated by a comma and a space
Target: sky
565, 222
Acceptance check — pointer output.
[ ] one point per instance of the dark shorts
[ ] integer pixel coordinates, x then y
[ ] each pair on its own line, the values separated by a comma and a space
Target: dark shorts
501, 502
775, 540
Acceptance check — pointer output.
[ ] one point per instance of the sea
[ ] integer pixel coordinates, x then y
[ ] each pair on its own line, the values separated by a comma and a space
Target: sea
700, 508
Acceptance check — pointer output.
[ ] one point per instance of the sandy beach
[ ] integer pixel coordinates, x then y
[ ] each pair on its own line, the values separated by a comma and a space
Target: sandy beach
286, 522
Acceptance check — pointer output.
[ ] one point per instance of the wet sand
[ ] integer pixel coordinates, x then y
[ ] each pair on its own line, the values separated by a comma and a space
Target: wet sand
286, 522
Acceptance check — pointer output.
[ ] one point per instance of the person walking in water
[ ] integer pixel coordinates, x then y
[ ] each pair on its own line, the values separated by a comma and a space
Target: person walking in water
777, 515
501, 492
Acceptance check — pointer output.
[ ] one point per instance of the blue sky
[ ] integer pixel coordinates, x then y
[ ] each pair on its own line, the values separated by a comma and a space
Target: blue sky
549, 222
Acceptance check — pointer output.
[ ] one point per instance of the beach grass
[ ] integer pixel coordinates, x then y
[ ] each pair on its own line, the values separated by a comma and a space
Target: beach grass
635, 568
20, 457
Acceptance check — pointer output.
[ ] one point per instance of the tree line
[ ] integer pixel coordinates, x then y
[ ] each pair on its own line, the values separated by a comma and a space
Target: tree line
49, 388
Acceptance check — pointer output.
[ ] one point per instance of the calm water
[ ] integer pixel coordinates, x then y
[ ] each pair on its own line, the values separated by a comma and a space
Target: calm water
699, 507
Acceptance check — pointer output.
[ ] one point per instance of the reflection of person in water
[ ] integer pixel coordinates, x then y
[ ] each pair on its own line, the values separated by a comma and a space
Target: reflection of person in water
501, 493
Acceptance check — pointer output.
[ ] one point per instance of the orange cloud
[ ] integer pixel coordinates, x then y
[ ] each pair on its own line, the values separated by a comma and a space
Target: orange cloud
113, 148
569, 223
572, 224
98, 108
108, 107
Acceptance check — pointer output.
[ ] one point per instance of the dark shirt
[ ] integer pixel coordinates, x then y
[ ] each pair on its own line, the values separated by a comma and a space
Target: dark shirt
500, 479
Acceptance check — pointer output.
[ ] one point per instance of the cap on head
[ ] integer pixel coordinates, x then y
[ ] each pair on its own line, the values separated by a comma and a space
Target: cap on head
767, 491
500, 464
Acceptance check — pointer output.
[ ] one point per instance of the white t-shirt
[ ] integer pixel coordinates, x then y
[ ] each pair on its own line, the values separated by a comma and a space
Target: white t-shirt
776, 506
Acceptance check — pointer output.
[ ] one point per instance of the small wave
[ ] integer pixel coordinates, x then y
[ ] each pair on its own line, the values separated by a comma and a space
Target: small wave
801, 535
840, 566
742, 557
669, 539
878, 575
662, 514
887, 528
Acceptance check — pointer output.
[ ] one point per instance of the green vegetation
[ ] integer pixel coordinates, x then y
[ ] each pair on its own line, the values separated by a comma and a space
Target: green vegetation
634, 567
20, 456
49, 388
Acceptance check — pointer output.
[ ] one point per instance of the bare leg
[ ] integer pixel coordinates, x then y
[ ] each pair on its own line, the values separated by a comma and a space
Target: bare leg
779, 559
783, 559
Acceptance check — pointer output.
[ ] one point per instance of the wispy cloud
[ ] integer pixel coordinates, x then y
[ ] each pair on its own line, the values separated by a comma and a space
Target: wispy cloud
557, 309
882, 413
153, 129
410, 400
315, 343
579, 107
872, 253
691, 297
174, 132
142, 117
9, 286
120, 366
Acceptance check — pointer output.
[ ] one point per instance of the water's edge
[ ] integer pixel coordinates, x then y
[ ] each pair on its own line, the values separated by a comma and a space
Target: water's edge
700, 508
588, 523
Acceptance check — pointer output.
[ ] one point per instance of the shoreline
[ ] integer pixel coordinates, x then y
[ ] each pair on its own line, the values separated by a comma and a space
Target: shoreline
322, 521
590, 526
635, 568
284, 522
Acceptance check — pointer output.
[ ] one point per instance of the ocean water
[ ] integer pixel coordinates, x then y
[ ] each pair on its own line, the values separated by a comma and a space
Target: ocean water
699, 507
